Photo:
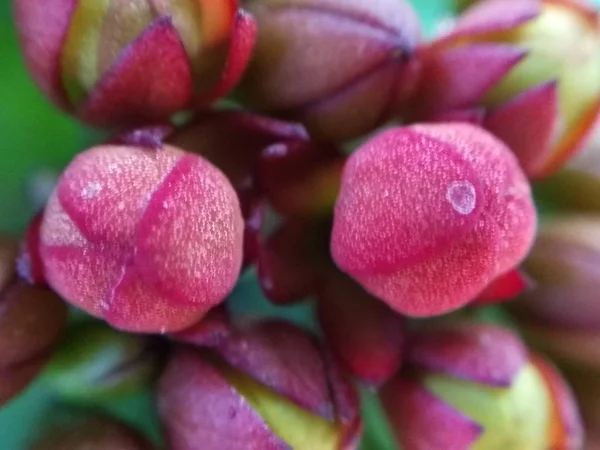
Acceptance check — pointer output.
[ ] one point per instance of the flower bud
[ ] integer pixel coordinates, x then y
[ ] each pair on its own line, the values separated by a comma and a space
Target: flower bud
338, 66
148, 240
31, 321
533, 69
561, 316
111, 62
92, 433
265, 386
468, 385
429, 215
365, 335
97, 362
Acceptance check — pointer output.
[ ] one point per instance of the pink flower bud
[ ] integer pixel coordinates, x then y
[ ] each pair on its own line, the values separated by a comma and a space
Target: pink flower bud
114, 63
429, 215
468, 385
339, 66
148, 240
267, 386
31, 321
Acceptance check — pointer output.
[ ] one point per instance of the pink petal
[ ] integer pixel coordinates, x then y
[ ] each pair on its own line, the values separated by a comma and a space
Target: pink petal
490, 16
363, 332
528, 124
505, 287
421, 421
43, 27
150, 80
283, 358
205, 272
150, 137
197, 405
458, 78
243, 38
474, 352
133, 306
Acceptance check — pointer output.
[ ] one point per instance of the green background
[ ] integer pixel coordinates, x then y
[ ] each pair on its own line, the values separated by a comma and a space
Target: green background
34, 139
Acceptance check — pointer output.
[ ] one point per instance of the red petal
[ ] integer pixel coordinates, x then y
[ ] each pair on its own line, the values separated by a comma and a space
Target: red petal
209, 332
16, 378
43, 27
528, 124
253, 210
365, 334
150, 81
197, 405
567, 426
242, 43
421, 421
505, 287
474, 352
492, 16
29, 262
283, 358
458, 78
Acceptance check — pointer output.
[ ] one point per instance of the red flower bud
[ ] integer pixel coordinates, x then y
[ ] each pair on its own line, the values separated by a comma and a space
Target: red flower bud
530, 69
31, 321
336, 65
265, 386
429, 215
115, 63
148, 240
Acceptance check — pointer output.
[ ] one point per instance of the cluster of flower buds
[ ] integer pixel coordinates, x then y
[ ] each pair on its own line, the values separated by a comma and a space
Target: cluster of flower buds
31, 322
149, 231
527, 70
471, 385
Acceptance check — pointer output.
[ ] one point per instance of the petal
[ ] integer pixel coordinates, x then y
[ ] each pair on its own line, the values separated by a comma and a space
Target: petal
241, 46
421, 421
42, 28
529, 124
150, 80
505, 287
472, 352
492, 16
29, 262
283, 358
209, 332
197, 404
473, 116
189, 240
457, 78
